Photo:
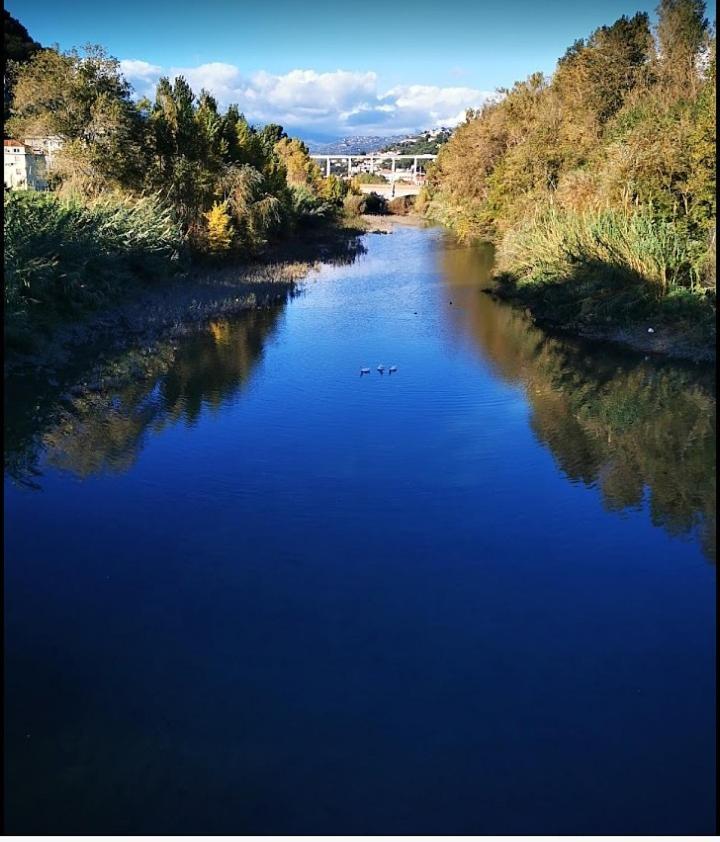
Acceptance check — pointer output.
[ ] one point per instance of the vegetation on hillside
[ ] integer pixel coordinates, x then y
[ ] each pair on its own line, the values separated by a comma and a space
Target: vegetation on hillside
598, 184
426, 143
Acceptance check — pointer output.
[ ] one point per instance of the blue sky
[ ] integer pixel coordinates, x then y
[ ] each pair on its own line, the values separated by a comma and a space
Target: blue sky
331, 68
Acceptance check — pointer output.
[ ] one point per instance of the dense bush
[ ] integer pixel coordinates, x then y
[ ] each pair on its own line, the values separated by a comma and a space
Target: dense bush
368, 178
401, 205
638, 244
230, 187
608, 166
370, 203
63, 253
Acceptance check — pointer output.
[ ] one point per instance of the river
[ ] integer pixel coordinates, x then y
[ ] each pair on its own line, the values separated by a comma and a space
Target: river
263, 594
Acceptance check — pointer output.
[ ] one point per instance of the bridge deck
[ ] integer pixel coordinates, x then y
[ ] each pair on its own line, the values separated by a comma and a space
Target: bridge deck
376, 159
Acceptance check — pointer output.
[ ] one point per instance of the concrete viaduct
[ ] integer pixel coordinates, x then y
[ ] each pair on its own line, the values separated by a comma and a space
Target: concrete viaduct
374, 161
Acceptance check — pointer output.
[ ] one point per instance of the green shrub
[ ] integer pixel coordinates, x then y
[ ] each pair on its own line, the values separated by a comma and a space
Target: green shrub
368, 178
309, 209
401, 205
375, 204
61, 254
556, 244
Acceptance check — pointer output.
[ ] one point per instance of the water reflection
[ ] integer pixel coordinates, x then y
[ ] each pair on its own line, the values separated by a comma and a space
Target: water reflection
636, 428
104, 429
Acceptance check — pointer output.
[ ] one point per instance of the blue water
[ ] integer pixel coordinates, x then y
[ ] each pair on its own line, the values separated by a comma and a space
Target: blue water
266, 595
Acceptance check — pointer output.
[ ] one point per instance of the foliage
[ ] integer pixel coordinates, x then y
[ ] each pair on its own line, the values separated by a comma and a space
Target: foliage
607, 167
335, 189
60, 254
299, 166
219, 224
180, 147
368, 178
638, 245
310, 209
85, 100
370, 203
19, 48
401, 205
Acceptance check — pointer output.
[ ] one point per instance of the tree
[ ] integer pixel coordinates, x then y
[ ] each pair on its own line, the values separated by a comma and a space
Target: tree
681, 32
219, 228
84, 99
180, 146
703, 151
595, 77
270, 135
19, 48
299, 166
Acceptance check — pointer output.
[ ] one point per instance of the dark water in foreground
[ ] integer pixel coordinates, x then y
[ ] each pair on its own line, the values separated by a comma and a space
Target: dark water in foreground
262, 594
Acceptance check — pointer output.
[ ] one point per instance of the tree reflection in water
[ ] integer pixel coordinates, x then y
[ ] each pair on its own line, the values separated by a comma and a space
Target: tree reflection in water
105, 430
636, 428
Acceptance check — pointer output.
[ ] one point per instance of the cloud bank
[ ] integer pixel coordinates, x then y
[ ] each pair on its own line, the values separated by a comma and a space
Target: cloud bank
341, 102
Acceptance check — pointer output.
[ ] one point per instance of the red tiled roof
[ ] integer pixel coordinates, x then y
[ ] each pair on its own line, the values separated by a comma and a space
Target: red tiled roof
8, 142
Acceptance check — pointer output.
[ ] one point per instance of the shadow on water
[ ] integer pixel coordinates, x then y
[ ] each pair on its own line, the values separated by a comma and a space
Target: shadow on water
637, 428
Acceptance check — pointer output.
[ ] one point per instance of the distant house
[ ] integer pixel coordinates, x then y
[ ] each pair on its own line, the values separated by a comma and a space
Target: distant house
23, 168
48, 146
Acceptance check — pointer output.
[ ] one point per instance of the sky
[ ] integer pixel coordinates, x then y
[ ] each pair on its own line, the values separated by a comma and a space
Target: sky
325, 70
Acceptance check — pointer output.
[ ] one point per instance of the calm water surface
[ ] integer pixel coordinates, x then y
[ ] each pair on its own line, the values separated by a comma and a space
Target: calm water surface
262, 594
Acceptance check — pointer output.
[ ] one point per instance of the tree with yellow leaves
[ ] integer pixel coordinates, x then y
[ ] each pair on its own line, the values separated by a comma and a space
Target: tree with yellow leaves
219, 228
300, 167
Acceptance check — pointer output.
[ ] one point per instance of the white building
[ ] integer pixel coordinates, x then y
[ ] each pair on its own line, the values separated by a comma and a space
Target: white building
48, 146
24, 169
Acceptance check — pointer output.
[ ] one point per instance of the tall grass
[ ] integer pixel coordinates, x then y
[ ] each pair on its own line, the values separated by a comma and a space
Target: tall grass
63, 253
558, 245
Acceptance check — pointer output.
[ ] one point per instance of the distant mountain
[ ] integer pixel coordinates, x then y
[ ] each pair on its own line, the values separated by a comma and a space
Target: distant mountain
422, 143
355, 145
419, 143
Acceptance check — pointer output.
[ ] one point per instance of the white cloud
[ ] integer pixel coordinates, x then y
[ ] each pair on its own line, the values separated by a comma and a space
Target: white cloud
140, 72
325, 102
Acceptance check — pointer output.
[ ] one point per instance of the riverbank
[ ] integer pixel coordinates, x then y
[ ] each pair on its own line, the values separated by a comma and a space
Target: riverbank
680, 325
146, 313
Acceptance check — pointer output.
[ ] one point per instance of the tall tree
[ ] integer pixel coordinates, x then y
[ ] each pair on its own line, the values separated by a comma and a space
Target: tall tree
84, 99
19, 48
681, 32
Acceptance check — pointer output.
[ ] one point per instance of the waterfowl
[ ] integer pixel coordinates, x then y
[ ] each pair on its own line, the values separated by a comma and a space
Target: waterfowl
392, 368
364, 371
381, 368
